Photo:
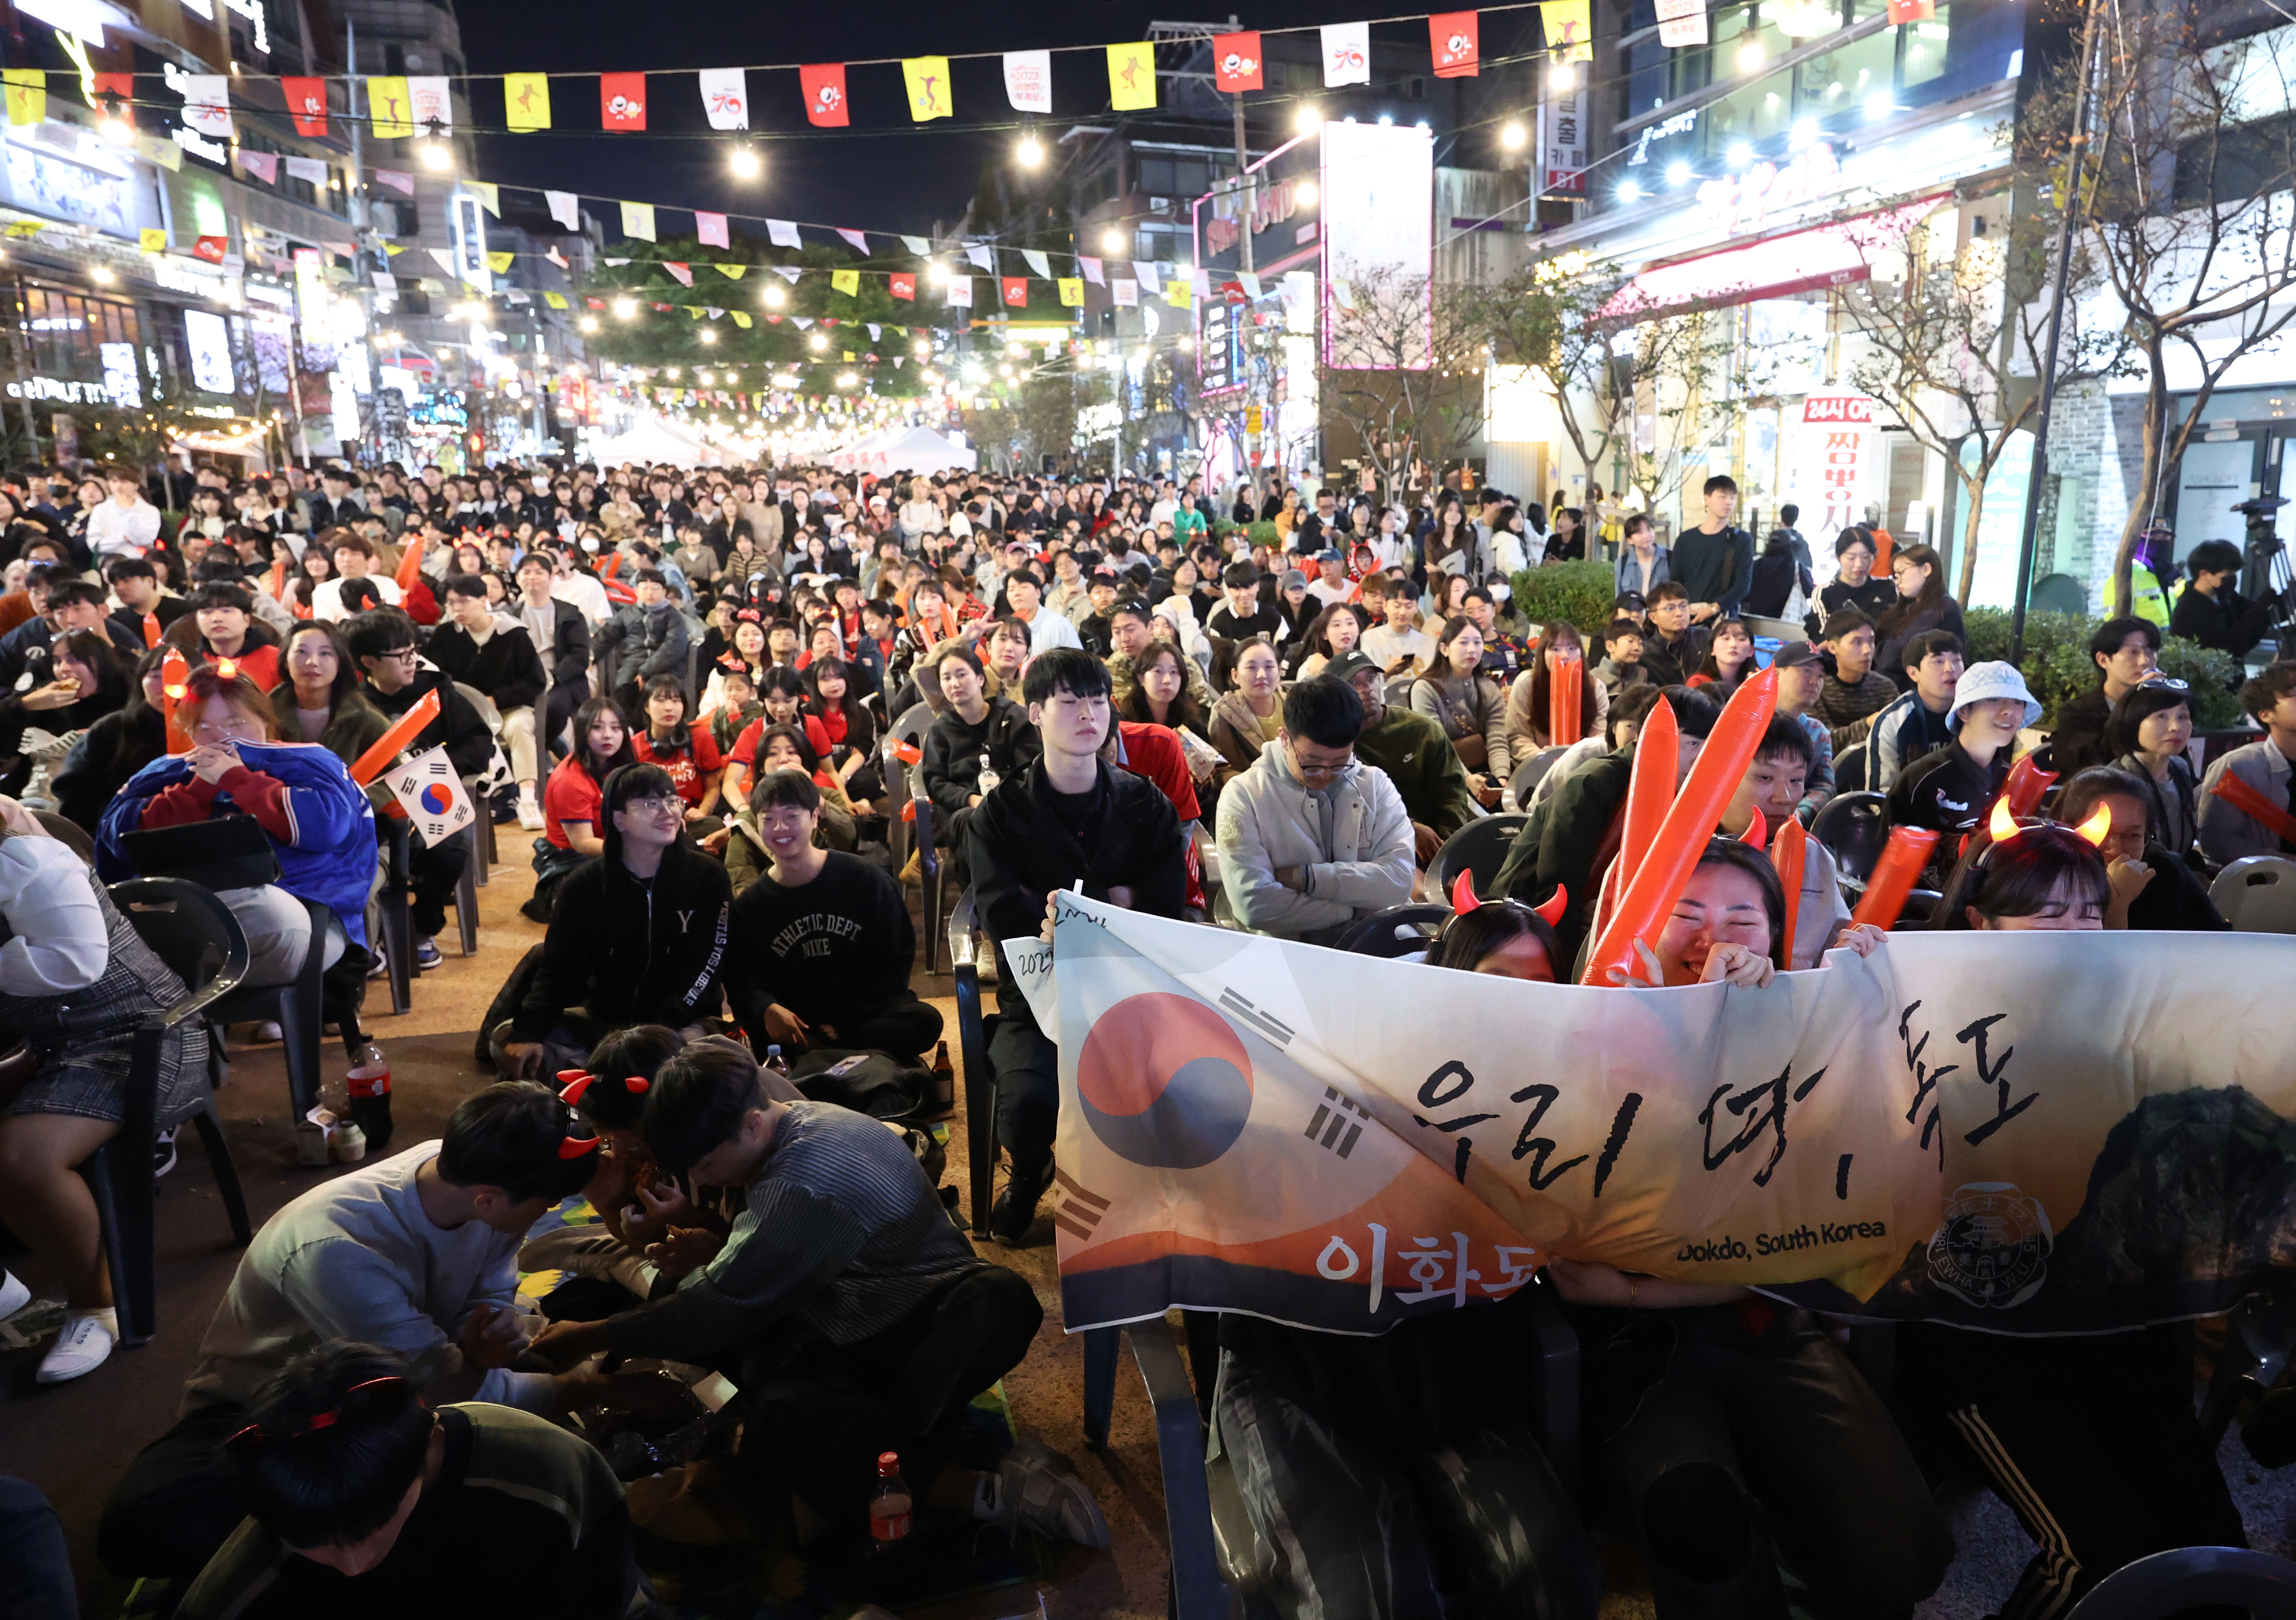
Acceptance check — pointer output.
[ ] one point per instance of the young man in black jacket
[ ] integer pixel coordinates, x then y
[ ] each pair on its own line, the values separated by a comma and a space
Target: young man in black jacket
484, 650
637, 935
655, 629
562, 639
2212, 613
1715, 560
2125, 652
1069, 817
383, 646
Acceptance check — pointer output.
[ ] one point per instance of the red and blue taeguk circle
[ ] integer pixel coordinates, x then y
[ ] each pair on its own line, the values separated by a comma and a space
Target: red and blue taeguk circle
1164, 1082
437, 799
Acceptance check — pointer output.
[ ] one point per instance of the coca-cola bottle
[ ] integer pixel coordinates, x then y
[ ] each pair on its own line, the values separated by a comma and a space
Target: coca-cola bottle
891, 1515
369, 1083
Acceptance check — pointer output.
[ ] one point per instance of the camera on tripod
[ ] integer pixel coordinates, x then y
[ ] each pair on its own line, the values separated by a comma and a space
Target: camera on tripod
2263, 543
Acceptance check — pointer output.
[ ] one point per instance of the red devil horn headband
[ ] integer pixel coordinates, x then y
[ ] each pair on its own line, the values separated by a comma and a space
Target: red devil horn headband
574, 1085
1551, 912
1462, 894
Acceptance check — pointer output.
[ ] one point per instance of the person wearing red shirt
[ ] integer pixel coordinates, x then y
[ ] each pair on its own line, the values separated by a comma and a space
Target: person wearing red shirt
1153, 751
573, 820
785, 696
224, 615
688, 752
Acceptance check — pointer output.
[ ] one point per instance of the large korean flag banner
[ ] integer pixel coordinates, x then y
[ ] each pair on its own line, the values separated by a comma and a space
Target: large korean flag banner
2030, 1132
1378, 189
431, 794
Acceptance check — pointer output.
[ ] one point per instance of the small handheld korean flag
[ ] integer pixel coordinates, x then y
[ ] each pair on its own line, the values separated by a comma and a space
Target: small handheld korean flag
431, 794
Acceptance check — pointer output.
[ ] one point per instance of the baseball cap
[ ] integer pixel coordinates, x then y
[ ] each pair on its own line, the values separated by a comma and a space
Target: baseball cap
1794, 655
1349, 665
1293, 579
1328, 555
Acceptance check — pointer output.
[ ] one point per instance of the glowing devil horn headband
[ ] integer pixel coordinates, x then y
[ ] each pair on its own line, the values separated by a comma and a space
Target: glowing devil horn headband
1464, 900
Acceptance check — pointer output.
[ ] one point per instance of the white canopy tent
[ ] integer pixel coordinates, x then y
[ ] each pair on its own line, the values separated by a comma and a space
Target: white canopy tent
650, 439
913, 449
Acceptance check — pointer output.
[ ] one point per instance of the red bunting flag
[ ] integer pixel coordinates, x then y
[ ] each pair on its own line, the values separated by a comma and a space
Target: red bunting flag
116, 91
680, 271
594, 303
903, 285
621, 100
824, 83
1016, 291
306, 104
1456, 42
1236, 61
211, 249
1911, 11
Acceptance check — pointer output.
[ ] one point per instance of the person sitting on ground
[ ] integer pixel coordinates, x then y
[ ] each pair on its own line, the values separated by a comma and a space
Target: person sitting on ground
2210, 611
382, 643
1311, 839
363, 1500
77, 982
821, 944
977, 742
1674, 647
2267, 766
1920, 721
1412, 753
1572, 837
573, 823
1069, 817
637, 935
1951, 788
413, 1253
2126, 652
2146, 737
862, 1321
491, 652
2153, 886
1472, 707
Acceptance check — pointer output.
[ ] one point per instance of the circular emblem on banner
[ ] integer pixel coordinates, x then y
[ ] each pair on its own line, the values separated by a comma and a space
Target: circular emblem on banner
1164, 1082
437, 799
1992, 1249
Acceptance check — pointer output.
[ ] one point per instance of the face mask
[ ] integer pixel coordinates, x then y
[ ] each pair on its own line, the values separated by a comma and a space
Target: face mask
589, 543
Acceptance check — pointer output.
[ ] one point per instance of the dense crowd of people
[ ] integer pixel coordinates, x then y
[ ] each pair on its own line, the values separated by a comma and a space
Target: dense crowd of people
717, 700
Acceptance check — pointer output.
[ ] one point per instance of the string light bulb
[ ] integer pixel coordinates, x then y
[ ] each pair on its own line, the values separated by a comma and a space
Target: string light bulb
436, 155
1028, 149
1514, 137
745, 164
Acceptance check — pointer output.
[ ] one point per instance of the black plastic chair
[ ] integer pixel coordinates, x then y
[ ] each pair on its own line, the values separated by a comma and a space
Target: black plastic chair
1480, 847
67, 832
1854, 828
1849, 768
1527, 777
197, 936
1399, 930
2193, 1577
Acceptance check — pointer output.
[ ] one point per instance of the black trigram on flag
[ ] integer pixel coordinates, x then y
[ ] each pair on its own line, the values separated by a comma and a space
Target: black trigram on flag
1337, 1122
1075, 1211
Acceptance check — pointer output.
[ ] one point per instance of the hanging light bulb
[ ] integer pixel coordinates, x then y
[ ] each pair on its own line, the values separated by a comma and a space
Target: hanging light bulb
1029, 150
745, 163
436, 155
1514, 137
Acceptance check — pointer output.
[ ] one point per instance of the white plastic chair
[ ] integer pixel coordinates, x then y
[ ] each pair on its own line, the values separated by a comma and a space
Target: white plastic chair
2257, 894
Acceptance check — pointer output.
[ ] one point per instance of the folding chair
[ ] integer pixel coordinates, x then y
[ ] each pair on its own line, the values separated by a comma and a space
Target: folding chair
1480, 848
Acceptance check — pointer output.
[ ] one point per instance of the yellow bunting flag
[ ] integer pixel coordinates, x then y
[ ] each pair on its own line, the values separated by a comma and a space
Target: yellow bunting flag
25, 227
847, 281
488, 193
1071, 290
732, 272
694, 310
1570, 33
849, 354
1131, 75
395, 247
1176, 293
638, 220
742, 320
499, 263
151, 242
556, 300
525, 101
27, 95
389, 110
927, 78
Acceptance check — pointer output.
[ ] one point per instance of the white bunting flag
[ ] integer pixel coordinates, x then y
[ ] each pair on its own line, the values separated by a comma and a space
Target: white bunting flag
873, 330
565, 209
1126, 294
788, 273
960, 291
803, 322
397, 179
206, 103
264, 166
1038, 262
916, 244
1029, 80
1092, 272
428, 103
857, 237
983, 255
1250, 283
1681, 22
1346, 53
782, 233
312, 169
444, 260
725, 97
429, 790
1145, 274
709, 229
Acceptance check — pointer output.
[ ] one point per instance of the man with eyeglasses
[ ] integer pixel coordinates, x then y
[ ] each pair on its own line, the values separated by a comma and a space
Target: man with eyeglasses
382, 648
1069, 817
1311, 838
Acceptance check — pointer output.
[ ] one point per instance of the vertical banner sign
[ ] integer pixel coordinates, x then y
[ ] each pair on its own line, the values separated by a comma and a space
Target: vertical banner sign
926, 79
1029, 80
1563, 144
1131, 77
1379, 243
1346, 53
311, 294
1839, 434
469, 224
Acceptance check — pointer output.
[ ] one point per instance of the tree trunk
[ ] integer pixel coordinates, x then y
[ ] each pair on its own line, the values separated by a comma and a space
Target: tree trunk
1974, 488
2157, 405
